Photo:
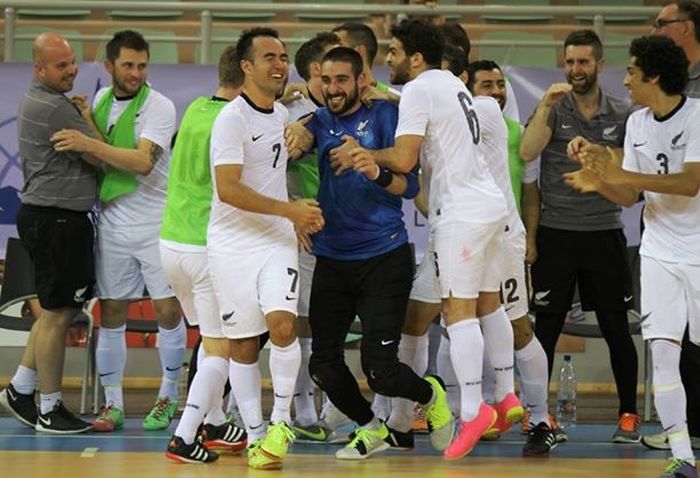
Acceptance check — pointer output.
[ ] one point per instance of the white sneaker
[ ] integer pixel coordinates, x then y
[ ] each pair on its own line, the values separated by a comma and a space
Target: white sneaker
366, 443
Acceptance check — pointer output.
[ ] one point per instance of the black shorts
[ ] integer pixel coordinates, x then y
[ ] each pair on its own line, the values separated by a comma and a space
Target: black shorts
375, 289
597, 260
60, 244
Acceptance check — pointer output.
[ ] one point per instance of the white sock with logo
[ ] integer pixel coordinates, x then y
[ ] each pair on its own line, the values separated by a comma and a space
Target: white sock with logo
247, 383
47, 401
284, 368
532, 364
172, 344
305, 393
111, 360
24, 380
467, 352
207, 383
498, 344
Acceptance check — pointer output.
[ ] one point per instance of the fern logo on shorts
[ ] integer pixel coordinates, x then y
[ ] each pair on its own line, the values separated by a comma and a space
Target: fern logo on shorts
79, 295
540, 298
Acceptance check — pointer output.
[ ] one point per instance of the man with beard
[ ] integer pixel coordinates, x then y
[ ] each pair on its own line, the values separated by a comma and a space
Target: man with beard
59, 191
302, 182
580, 238
364, 262
467, 215
137, 124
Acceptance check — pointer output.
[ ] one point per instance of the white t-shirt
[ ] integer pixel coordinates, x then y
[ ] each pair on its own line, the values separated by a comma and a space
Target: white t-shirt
437, 106
246, 134
144, 207
301, 107
494, 145
532, 171
652, 146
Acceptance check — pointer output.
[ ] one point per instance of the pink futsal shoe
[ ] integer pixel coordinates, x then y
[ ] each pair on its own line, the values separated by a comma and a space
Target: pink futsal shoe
470, 432
510, 412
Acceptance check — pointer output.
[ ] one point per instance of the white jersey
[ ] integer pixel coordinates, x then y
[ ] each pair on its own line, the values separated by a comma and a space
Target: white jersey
437, 106
301, 107
672, 222
253, 137
143, 207
494, 145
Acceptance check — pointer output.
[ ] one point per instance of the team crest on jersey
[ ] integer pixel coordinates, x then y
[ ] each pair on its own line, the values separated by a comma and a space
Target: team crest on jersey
675, 146
609, 133
361, 128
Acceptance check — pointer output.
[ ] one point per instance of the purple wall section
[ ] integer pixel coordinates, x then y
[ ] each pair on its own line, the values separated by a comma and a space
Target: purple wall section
182, 83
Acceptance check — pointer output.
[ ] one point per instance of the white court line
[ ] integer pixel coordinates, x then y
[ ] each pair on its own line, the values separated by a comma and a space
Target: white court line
88, 437
89, 452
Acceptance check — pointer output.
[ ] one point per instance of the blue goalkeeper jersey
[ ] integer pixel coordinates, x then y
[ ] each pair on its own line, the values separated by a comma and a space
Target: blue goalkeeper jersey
362, 220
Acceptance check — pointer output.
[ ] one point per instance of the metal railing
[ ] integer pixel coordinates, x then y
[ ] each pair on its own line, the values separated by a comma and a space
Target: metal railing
205, 9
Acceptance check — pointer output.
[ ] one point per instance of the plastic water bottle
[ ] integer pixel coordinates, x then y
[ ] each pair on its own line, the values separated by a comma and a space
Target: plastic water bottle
566, 394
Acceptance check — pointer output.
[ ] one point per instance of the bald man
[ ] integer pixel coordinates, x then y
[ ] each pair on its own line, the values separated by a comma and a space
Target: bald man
59, 190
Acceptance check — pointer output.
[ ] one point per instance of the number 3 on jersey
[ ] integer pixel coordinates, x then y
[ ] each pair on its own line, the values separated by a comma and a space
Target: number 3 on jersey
472, 119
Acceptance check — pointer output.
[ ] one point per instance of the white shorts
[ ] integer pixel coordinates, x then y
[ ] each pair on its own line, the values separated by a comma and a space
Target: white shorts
514, 284
127, 261
670, 300
462, 260
188, 273
307, 263
249, 286
425, 284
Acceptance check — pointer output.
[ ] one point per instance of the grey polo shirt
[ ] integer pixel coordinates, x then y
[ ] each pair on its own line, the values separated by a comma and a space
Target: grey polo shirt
562, 206
692, 89
52, 179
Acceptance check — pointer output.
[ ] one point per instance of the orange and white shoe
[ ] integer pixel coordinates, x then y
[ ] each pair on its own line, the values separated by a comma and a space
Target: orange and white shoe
420, 424
559, 432
628, 429
470, 432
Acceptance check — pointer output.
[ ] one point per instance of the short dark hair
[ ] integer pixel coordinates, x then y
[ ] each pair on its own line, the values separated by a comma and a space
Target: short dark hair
690, 10
230, 73
312, 51
454, 56
130, 39
347, 55
585, 38
455, 35
418, 36
360, 34
245, 41
660, 56
480, 65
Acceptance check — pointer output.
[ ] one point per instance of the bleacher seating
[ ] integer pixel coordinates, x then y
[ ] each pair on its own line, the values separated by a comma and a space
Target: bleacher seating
295, 26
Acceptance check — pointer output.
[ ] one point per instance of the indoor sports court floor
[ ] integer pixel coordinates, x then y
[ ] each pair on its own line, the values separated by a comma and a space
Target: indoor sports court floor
133, 452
